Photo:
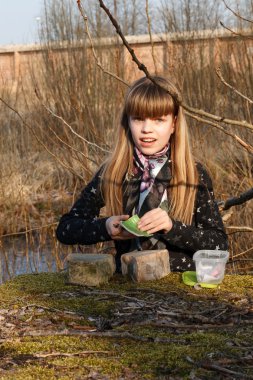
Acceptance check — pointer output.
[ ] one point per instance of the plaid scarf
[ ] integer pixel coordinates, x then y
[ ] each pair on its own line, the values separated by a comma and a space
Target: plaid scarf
147, 187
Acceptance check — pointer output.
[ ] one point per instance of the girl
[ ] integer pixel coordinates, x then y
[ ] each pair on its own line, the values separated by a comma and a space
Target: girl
150, 173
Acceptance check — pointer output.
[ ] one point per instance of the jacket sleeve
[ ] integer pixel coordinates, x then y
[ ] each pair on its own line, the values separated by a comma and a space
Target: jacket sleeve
82, 224
207, 229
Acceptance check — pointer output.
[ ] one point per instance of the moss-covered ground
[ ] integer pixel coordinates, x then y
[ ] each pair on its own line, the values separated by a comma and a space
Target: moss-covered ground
50, 329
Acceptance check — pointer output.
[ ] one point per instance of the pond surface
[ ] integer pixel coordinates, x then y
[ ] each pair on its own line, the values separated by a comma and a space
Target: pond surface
16, 257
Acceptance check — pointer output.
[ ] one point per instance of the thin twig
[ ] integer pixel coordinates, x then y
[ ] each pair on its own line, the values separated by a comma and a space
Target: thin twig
245, 145
72, 148
174, 94
139, 64
52, 309
114, 294
194, 326
242, 253
240, 229
233, 32
40, 141
73, 131
30, 230
239, 261
85, 18
64, 144
150, 36
69, 355
236, 14
107, 334
218, 368
218, 72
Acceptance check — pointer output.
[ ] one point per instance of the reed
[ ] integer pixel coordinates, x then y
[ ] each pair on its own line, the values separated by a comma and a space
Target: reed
68, 124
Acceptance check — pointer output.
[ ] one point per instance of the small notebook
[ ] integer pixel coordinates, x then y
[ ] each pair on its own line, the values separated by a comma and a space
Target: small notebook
131, 226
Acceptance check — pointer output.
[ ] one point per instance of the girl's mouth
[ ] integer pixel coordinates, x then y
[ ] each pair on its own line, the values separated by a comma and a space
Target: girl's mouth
147, 140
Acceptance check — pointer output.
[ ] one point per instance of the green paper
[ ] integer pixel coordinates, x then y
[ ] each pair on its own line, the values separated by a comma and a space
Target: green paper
131, 226
190, 278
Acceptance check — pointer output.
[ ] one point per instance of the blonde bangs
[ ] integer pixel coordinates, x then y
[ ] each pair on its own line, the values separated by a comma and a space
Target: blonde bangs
149, 101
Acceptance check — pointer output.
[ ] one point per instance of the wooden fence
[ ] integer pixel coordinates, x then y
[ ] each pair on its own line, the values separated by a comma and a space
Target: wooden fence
167, 50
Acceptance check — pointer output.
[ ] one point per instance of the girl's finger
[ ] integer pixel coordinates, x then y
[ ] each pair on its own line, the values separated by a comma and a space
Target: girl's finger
151, 222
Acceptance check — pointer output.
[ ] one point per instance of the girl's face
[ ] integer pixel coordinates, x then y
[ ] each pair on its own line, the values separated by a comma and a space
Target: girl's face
151, 135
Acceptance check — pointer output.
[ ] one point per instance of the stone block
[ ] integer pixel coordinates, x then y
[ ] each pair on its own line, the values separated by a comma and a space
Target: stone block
90, 269
146, 265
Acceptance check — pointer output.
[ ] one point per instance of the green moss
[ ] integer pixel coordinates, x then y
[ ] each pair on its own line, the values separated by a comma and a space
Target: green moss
122, 357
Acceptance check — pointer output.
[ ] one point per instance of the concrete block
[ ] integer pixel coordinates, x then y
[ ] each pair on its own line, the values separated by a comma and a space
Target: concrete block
146, 265
90, 269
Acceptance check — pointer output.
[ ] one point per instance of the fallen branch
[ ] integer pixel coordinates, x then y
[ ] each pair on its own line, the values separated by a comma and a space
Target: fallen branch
106, 334
69, 355
218, 368
52, 309
189, 326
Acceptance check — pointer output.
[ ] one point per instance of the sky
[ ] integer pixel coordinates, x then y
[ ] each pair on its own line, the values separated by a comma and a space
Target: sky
19, 21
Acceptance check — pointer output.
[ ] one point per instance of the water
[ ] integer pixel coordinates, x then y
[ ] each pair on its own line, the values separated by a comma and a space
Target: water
16, 259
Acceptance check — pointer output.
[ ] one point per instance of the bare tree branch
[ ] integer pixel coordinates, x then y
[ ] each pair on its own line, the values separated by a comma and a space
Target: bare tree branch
85, 18
218, 72
150, 36
245, 145
236, 229
244, 252
235, 33
73, 131
174, 94
236, 14
235, 201
139, 64
40, 141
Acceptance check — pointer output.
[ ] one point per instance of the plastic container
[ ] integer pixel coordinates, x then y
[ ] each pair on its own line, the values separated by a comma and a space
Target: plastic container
210, 265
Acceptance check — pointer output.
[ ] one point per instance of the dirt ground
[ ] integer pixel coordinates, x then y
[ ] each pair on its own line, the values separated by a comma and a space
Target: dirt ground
50, 329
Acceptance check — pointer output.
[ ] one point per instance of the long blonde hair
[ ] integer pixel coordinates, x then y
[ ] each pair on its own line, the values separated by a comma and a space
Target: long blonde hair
147, 100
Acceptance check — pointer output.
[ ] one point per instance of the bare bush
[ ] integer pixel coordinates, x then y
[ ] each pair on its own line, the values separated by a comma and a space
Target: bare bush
76, 106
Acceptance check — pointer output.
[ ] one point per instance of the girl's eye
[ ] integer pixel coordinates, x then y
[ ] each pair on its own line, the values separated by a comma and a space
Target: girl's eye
136, 118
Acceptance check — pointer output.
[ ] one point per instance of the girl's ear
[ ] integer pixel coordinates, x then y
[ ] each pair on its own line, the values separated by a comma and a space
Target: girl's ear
174, 124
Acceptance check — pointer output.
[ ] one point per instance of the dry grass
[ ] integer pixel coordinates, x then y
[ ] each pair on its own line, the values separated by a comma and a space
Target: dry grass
36, 187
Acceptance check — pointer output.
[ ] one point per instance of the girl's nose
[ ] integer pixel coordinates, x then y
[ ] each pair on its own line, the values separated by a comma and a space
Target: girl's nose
146, 125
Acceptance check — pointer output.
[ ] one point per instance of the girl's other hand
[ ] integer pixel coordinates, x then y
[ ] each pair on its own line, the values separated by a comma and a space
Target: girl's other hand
155, 220
115, 230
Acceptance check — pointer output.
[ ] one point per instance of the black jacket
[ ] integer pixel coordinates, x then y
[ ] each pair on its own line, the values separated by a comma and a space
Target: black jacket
82, 225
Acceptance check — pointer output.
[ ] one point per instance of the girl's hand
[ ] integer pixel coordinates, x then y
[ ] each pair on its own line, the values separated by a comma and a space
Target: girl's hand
155, 220
115, 230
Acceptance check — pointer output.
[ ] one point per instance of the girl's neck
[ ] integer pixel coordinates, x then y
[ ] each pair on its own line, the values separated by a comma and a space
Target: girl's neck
157, 154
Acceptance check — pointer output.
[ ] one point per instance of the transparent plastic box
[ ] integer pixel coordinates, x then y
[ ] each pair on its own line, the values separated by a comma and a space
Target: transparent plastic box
210, 265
